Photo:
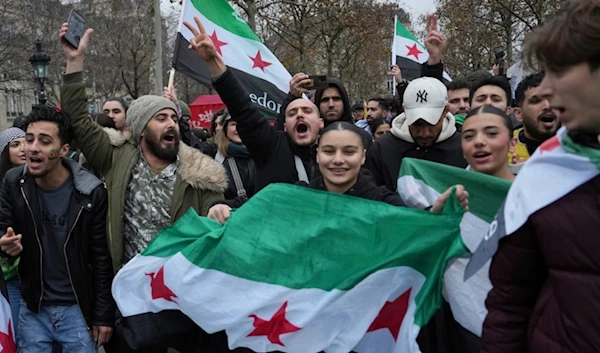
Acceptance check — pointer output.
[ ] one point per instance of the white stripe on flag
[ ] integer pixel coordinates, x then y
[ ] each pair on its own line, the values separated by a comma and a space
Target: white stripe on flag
224, 302
466, 299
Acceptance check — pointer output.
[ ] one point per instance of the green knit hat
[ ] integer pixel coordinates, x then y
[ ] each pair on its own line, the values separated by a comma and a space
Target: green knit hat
185, 109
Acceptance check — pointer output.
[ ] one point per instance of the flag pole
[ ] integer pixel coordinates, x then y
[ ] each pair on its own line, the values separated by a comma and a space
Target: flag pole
393, 61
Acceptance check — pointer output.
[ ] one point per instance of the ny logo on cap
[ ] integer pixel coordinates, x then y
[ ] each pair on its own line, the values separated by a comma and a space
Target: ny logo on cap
422, 96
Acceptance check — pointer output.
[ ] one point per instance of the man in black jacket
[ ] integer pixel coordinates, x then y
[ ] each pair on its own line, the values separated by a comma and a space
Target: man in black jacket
53, 217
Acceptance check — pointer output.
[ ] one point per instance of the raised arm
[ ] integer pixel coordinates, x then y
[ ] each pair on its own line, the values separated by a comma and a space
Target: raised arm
436, 44
254, 130
91, 139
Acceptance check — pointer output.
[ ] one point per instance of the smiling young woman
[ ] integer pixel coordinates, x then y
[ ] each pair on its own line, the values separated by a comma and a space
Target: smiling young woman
486, 140
341, 154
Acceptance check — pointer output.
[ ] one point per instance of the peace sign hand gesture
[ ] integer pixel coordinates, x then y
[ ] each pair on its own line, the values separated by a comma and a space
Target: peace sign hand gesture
435, 42
204, 47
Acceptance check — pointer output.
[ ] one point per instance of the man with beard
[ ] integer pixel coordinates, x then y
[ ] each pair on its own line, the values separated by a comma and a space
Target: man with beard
333, 102
377, 108
152, 179
539, 120
458, 97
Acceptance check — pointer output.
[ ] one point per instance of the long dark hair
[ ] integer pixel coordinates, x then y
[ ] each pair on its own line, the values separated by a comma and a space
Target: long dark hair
5, 164
375, 124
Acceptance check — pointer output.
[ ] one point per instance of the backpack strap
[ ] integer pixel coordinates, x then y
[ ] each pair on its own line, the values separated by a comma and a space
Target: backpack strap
237, 179
302, 176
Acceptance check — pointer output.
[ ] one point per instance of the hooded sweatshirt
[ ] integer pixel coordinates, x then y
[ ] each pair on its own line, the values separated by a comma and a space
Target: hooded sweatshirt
385, 157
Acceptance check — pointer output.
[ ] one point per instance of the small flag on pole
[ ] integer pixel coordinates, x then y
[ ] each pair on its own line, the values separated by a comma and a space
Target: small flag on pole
408, 53
263, 76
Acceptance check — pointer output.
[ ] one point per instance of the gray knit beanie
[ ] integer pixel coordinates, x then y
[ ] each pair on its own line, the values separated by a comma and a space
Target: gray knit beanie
142, 110
8, 135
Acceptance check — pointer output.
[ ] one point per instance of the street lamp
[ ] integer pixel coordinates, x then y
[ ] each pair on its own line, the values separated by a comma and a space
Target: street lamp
40, 62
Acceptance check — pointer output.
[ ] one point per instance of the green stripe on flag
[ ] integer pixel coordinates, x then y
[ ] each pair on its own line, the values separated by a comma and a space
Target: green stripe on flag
404, 32
486, 193
290, 236
224, 16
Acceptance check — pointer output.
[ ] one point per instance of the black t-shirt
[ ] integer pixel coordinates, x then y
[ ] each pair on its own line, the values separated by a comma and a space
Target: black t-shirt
54, 207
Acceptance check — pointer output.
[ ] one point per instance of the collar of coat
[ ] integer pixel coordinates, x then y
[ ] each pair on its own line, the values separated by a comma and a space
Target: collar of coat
195, 168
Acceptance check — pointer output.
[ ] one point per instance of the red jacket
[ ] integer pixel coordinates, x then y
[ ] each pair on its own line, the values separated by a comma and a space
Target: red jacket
546, 278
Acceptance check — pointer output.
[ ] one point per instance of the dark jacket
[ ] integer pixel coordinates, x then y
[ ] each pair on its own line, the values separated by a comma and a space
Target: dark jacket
546, 280
86, 249
273, 151
385, 157
364, 188
246, 168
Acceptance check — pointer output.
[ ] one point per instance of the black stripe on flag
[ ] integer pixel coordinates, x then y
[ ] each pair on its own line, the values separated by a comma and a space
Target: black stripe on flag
410, 69
264, 94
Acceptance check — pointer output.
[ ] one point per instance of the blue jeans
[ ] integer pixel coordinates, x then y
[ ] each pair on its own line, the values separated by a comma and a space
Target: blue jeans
14, 299
64, 325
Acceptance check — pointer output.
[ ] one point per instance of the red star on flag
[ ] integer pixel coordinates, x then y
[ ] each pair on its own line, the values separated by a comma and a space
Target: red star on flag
159, 288
414, 51
550, 145
258, 62
218, 44
391, 315
277, 326
8, 341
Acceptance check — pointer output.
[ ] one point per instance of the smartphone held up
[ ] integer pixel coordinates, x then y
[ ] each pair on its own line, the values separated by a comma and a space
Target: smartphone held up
317, 82
76, 29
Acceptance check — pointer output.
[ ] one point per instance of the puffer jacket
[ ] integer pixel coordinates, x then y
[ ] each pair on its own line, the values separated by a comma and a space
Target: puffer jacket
200, 180
86, 250
546, 280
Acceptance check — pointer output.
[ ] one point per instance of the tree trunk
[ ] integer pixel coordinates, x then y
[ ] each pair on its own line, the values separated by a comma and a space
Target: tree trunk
252, 15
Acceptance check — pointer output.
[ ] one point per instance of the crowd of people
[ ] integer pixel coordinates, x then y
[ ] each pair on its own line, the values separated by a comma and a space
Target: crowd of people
81, 197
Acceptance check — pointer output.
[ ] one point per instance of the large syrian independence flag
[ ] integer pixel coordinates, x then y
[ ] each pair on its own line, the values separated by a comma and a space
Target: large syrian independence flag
257, 68
420, 183
342, 281
408, 53
7, 326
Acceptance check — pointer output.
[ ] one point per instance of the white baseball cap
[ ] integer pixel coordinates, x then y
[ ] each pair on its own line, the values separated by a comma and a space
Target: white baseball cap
425, 98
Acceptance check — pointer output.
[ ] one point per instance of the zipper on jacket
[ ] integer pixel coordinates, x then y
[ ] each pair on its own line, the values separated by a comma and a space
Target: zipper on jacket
69, 269
39, 244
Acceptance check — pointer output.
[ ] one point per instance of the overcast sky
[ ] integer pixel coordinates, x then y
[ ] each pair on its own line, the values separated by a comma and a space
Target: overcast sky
419, 7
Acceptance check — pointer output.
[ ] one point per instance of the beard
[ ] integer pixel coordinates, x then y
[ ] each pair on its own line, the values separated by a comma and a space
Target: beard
168, 153
539, 134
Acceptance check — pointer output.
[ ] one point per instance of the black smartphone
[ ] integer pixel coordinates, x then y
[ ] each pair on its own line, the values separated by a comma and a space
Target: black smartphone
317, 82
76, 29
